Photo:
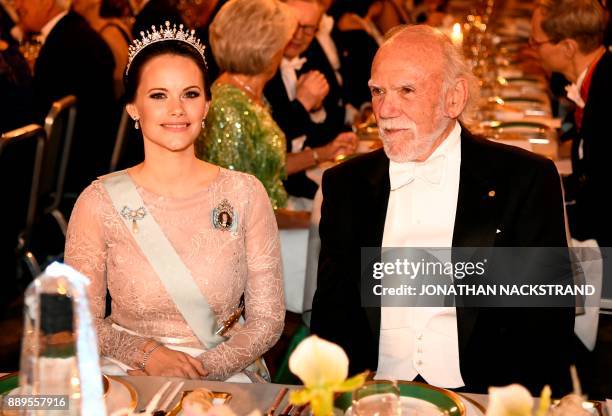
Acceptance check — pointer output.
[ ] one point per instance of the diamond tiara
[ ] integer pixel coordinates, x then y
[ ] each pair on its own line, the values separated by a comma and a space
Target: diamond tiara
163, 34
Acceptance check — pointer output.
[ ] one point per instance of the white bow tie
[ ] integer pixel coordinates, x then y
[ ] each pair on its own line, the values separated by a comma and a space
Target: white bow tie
431, 171
295, 64
573, 93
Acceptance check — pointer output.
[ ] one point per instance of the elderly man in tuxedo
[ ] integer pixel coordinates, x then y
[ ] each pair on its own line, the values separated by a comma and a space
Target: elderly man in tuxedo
481, 194
74, 60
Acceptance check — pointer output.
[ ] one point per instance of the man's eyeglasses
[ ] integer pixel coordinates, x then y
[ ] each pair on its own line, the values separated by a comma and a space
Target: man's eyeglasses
535, 43
308, 30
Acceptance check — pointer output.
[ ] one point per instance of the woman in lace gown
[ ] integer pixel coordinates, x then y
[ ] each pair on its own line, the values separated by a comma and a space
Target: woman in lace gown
219, 222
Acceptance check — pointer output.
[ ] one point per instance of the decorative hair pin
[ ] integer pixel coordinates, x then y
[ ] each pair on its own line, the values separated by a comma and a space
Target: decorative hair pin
163, 34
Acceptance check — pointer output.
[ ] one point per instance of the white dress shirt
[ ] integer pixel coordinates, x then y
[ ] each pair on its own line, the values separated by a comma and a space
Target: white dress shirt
327, 44
421, 213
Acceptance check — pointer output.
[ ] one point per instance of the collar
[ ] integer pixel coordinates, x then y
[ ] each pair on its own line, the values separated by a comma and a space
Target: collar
294, 63
326, 25
573, 90
48, 27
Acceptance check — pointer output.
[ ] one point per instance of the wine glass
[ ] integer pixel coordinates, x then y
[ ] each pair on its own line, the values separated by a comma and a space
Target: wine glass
377, 398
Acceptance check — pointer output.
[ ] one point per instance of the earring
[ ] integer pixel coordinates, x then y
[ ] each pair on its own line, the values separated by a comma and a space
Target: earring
136, 124
203, 123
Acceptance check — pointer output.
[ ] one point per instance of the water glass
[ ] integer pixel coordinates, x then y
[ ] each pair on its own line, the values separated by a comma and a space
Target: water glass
377, 398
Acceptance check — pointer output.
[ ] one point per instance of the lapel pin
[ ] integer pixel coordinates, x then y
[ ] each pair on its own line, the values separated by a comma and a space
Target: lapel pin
498, 231
491, 193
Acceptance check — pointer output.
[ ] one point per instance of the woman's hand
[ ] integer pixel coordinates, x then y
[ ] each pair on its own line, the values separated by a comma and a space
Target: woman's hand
344, 144
169, 363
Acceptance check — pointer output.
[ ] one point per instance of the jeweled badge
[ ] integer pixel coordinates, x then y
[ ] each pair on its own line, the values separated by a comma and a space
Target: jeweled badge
224, 217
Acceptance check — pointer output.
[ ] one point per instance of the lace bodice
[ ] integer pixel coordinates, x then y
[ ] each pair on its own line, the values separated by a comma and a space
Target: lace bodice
224, 265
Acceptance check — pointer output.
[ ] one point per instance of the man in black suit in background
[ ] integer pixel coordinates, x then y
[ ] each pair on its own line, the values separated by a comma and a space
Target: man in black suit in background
305, 96
436, 185
75, 60
568, 36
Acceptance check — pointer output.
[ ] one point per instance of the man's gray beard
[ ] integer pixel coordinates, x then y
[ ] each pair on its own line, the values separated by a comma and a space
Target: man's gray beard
413, 151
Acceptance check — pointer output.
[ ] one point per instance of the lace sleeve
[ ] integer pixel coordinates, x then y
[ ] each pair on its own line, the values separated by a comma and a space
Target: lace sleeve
264, 297
86, 251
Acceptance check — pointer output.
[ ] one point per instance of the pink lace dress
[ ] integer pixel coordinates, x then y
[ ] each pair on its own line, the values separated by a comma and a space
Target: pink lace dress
224, 265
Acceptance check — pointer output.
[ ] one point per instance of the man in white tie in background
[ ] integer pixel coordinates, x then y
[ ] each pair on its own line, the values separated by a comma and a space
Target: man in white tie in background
436, 185
306, 99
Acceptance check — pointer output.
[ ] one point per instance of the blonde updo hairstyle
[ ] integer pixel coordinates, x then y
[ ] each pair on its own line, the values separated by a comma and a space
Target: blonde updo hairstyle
247, 34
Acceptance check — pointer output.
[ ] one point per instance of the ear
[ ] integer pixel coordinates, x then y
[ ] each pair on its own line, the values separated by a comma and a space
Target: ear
132, 111
206, 108
570, 47
456, 98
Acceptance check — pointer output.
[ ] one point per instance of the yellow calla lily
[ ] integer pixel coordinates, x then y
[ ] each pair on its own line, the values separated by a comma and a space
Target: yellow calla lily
322, 366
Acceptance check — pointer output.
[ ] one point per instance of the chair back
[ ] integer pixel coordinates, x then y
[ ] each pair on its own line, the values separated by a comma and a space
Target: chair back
119, 141
59, 129
21, 155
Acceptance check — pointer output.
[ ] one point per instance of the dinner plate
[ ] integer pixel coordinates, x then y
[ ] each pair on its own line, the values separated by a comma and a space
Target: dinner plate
520, 127
219, 397
430, 399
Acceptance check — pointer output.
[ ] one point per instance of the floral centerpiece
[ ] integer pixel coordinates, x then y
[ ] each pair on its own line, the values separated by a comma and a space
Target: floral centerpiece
323, 368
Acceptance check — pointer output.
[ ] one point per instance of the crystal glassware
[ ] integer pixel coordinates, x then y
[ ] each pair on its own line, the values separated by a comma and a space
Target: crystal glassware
377, 398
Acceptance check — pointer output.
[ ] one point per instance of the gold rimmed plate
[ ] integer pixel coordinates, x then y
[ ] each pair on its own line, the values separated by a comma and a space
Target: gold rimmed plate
445, 401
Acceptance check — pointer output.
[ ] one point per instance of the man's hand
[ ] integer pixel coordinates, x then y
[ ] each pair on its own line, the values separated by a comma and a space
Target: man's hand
311, 89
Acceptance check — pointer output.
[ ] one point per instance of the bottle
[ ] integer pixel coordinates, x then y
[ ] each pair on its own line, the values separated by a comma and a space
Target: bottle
59, 352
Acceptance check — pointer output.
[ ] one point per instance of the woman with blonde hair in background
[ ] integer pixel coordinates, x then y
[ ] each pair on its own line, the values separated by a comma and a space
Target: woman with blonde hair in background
248, 39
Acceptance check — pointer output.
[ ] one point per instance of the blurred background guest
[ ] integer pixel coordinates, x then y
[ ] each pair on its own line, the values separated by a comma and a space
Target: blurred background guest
248, 38
198, 15
568, 37
150, 12
394, 13
15, 84
119, 9
358, 38
429, 12
113, 31
306, 100
8, 17
74, 59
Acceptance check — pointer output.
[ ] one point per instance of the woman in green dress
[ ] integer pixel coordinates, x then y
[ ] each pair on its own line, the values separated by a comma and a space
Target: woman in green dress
248, 38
